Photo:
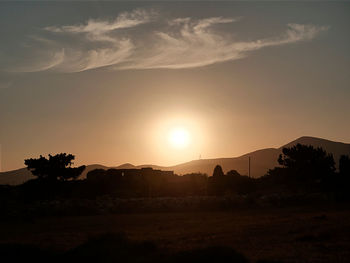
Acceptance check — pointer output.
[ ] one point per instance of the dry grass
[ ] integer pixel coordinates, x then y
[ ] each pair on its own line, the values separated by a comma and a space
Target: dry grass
289, 234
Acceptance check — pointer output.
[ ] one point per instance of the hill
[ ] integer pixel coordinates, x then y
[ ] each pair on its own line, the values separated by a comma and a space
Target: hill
22, 175
261, 161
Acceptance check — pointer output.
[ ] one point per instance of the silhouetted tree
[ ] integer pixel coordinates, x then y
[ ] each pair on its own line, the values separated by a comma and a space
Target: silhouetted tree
233, 173
218, 171
56, 167
343, 182
216, 183
307, 162
344, 165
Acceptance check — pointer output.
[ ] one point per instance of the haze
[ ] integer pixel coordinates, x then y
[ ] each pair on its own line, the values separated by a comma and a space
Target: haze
109, 81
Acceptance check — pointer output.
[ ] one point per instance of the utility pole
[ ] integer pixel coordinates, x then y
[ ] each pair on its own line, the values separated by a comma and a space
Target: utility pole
249, 166
0, 158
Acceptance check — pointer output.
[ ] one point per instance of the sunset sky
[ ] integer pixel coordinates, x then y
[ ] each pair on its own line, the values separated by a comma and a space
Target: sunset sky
167, 82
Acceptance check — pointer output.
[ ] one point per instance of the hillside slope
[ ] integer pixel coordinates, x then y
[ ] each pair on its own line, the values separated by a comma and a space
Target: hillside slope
261, 161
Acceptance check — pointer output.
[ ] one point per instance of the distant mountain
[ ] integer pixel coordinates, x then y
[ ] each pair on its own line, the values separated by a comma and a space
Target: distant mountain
261, 161
15, 177
336, 148
22, 175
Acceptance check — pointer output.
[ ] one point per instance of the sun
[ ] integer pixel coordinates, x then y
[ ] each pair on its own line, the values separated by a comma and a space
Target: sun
179, 138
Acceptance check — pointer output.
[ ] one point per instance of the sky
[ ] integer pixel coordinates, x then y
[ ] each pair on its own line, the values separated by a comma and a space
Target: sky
110, 81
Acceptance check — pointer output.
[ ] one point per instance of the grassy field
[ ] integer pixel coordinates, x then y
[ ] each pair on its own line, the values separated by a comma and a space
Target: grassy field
317, 234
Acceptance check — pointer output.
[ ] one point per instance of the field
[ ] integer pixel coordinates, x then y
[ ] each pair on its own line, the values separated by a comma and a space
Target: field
303, 234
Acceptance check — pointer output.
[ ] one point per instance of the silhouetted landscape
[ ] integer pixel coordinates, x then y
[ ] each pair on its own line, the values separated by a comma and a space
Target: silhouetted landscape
261, 161
306, 194
175, 131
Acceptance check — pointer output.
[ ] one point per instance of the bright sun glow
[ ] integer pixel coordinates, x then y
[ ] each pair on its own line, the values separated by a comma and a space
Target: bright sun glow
179, 138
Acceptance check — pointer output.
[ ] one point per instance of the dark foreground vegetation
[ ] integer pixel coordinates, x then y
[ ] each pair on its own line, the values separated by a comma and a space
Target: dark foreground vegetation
303, 171
297, 212
117, 248
306, 176
299, 234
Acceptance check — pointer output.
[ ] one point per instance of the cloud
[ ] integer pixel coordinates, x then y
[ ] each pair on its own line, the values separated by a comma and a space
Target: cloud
116, 48
46, 61
124, 20
101, 57
97, 30
172, 43
189, 44
196, 45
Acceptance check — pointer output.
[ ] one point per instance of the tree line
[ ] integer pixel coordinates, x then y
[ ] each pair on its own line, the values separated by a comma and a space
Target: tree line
302, 169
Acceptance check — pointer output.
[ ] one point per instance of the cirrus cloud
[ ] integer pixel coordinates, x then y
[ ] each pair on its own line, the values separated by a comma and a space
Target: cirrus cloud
179, 43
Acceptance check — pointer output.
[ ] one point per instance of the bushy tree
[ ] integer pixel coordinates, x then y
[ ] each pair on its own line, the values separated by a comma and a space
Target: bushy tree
343, 182
56, 167
344, 165
233, 173
307, 162
218, 171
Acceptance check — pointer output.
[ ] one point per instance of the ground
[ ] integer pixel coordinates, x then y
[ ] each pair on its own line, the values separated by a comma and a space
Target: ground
304, 234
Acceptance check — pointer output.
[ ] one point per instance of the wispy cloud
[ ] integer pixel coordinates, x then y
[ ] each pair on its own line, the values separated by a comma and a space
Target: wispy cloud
46, 61
101, 57
178, 43
194, 44
97, 30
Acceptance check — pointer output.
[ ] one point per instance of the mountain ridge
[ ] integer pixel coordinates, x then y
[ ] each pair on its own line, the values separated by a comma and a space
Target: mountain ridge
261, 161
